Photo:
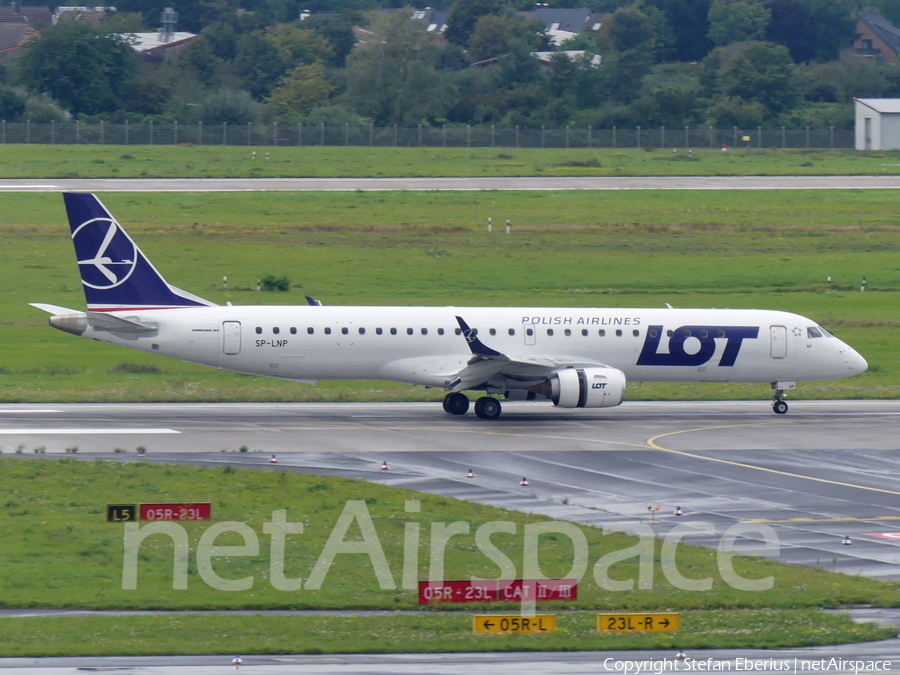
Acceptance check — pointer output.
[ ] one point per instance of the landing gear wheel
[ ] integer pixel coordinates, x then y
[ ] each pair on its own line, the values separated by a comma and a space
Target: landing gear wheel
488, 408
780, 407
456, 404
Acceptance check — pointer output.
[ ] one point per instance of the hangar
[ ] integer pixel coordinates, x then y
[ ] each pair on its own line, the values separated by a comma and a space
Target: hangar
877, 123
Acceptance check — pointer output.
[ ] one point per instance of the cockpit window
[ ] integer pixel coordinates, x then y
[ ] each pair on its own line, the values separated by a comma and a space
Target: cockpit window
824, 332
813, 332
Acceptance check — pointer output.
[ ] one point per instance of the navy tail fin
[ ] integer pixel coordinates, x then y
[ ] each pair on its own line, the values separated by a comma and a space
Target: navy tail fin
115, 274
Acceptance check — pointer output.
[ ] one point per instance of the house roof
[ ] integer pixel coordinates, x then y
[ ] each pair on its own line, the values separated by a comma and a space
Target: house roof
882, 105
568, 20
145, 42
434, 20
10, 15
12, 35
39, 17
545, 58
883, 28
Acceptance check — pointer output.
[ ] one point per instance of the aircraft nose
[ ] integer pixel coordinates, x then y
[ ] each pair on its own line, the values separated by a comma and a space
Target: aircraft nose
855, 362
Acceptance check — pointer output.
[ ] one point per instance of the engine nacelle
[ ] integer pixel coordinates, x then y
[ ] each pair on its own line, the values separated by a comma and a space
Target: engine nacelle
587, 387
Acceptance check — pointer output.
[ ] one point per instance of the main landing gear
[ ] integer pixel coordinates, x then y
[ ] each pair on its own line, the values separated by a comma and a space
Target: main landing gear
487, 407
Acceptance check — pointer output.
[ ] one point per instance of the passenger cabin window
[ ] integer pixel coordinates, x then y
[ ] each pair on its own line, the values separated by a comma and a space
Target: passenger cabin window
652, 332
276, 331
409, 331
458, 331
618, 333
378, 331
550, 331
327, 331
584, 332
512, 331
529, 332
310, 330
493, 331
344, 330
813, 332
258, 330
636, 332
601, 333
362, 331
568, 333
424, 331
440, 331
293, 331
393, 331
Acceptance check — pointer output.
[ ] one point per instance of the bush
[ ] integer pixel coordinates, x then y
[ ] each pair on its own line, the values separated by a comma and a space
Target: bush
272, 283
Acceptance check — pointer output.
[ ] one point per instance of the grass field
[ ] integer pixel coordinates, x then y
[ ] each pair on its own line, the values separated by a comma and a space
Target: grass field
433, 633
637, 248
60, 552
119, 161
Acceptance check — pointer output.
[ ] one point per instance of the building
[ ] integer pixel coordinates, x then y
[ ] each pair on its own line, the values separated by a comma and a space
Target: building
877, 123
562, 24
878, 37
19, 24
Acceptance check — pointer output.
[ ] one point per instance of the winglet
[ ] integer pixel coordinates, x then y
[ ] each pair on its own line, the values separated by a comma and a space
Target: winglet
477, 346
312, 301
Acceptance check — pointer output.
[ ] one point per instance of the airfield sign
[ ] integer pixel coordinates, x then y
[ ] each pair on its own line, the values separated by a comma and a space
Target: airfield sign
513, 623
639, 622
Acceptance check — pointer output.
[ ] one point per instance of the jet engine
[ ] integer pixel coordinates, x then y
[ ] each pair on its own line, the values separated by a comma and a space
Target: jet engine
587, 387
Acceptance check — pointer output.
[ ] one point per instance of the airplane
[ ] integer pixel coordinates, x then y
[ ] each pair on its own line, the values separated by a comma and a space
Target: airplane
572, 357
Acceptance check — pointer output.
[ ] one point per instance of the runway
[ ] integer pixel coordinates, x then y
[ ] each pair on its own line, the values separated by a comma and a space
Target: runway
826, 470
458, 183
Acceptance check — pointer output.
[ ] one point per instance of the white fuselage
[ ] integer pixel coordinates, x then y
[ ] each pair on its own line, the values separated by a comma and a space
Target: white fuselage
422, 345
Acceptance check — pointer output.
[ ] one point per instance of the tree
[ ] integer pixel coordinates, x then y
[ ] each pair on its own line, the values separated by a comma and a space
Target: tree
793, 26
338, 30
688, 21
835, 22
629, 29
264, 56
464, 14
85, 70
395, 80
300, 90
737, 21
763, 73
11, 104
494, 35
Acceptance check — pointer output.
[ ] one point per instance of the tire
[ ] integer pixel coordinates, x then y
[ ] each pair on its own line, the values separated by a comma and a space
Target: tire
780, 407
488, 408
456, 404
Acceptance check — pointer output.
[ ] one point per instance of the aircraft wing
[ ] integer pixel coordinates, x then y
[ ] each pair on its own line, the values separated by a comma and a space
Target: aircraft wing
486, 363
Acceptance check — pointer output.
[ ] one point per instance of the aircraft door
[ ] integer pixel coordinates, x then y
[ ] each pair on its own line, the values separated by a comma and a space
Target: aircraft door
231, 337
778, 341
530, 333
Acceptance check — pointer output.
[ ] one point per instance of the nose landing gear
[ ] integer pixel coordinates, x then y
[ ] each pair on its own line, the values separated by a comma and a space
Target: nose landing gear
780, 406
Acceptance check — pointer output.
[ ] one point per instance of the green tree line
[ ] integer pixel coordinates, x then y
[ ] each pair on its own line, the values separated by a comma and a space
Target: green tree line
652, 62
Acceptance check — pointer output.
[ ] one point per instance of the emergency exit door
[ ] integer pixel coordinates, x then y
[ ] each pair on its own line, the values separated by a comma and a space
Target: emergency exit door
778, 341
231, 337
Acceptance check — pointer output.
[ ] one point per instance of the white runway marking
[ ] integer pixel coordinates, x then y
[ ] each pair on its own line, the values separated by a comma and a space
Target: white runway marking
86, 431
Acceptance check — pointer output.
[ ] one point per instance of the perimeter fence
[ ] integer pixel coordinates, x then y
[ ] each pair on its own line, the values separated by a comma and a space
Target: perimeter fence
174, 133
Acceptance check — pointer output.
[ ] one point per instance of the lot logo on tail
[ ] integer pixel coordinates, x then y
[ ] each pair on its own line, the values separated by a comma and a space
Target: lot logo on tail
107, 256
